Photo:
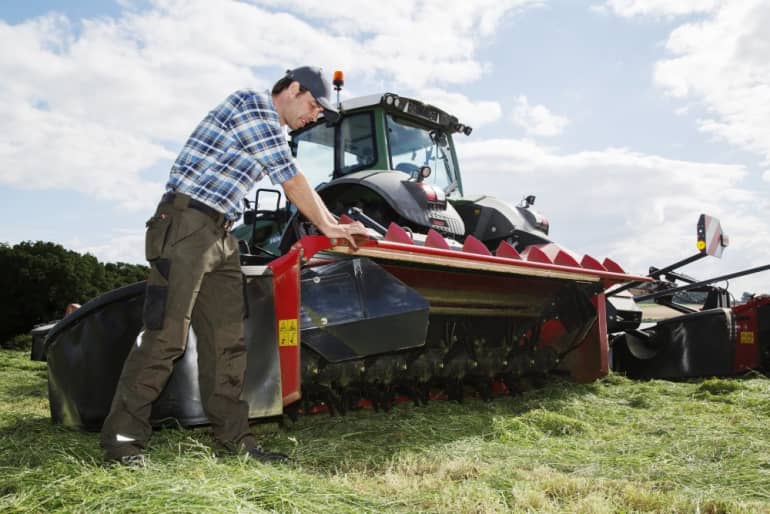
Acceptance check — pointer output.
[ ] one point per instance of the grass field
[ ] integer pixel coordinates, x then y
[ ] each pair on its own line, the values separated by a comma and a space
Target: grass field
611, 446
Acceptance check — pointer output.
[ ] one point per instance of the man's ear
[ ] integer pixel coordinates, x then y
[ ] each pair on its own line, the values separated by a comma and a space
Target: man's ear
294, 88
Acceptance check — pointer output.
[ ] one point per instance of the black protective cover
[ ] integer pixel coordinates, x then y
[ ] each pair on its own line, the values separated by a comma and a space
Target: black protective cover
39, 333
86, 351
490, 219
354, 308
700, 344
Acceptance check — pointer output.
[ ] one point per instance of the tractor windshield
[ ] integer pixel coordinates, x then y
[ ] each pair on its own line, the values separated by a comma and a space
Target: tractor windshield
412, 147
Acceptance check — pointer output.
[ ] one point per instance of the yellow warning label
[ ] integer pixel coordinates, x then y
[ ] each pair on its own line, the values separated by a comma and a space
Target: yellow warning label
287, 332
747, 337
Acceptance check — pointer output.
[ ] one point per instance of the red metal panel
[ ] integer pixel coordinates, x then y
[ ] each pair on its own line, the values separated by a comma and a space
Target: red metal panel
590, 360
565, 259
589, 262
611, 265
551, 331
473, 245
287, 301
397, 234
447, 287
550, 253
535, 254
452, 258
747, 354
311, 245
507, 251
436, 240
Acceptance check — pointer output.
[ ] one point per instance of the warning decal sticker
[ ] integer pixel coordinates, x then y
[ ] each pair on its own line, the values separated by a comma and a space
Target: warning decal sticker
287, 332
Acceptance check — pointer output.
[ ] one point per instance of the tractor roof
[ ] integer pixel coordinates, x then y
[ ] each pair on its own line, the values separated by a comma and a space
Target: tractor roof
408, 107
361, 101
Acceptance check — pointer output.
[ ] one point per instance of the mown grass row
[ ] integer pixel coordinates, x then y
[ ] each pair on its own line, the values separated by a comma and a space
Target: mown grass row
611, 446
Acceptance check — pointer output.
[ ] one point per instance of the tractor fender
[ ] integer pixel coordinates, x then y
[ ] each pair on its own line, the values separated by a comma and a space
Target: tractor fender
404, 196
490, 219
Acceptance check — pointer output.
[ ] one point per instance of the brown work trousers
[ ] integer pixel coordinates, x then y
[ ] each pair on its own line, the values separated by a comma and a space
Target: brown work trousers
195, 277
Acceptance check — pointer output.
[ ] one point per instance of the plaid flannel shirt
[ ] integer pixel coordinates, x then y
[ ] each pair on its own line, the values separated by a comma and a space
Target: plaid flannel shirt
234, 146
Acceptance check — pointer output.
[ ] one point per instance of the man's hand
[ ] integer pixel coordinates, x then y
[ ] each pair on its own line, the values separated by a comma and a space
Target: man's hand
345, 230
299, 192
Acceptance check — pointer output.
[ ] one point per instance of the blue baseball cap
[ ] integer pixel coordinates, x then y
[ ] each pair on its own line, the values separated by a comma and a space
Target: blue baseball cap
312, 79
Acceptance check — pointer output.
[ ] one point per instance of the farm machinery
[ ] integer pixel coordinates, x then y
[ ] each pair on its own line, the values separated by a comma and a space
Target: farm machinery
449, 296
709, 335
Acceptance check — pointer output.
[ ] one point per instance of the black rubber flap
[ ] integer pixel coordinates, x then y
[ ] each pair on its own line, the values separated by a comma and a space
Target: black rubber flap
692, 345
354, 308
86, 352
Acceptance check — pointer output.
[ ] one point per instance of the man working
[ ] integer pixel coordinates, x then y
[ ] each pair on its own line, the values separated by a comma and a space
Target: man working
195, 274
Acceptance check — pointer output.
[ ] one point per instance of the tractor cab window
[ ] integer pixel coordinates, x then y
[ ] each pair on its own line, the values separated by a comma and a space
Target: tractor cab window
314, 151
412, 147
357, 143
314, 148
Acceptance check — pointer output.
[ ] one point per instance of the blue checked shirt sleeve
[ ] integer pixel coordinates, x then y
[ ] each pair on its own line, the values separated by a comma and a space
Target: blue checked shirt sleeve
256, 128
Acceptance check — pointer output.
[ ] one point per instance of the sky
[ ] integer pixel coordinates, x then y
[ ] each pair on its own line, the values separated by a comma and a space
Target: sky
626, 118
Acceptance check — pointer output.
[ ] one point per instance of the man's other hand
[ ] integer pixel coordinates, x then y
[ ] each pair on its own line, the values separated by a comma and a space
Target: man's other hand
345, 231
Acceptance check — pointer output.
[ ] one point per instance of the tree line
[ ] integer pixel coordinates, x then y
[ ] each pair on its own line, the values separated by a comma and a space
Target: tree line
39, 279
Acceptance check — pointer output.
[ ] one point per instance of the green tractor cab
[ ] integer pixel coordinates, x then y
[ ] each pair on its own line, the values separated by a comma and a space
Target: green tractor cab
392, 159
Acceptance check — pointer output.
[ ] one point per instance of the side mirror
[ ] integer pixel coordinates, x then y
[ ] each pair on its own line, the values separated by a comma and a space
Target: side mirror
267, 200
267, 206
423, 173
528, 201
711, 240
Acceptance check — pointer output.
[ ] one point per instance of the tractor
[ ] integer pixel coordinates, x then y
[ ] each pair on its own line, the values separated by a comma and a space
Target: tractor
450, 295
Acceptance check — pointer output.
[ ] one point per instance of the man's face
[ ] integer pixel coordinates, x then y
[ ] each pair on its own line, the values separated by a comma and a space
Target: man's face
301, 108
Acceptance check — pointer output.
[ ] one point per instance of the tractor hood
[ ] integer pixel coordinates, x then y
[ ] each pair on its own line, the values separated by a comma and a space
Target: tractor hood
423, 204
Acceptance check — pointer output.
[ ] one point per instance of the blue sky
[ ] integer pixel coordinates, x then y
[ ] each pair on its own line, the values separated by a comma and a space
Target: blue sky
627, 118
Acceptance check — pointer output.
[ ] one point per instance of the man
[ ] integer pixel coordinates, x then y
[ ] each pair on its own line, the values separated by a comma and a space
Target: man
195, 275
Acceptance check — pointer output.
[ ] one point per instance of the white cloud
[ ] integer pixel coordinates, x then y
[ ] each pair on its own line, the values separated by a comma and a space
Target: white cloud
46, 149
126, 246
638, 209
537, 119
467, 111
409, 43
97, 102
722, 62
418, 23
661, 8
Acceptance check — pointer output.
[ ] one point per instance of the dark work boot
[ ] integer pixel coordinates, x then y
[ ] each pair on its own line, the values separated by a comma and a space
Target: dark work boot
260, 454
135, 461
249, 447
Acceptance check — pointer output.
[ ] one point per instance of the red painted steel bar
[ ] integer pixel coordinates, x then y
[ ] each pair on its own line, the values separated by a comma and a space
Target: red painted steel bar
444, 256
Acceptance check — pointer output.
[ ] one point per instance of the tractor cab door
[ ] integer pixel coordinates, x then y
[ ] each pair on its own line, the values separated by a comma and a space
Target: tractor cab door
326, 152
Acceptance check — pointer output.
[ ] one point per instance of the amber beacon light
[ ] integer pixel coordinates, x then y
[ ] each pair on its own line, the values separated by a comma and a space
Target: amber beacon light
338, 79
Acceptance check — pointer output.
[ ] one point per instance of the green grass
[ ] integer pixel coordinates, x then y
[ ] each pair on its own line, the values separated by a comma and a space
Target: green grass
611, 446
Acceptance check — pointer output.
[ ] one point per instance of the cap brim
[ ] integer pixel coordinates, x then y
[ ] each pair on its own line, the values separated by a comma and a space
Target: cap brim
331, 116
330, 112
